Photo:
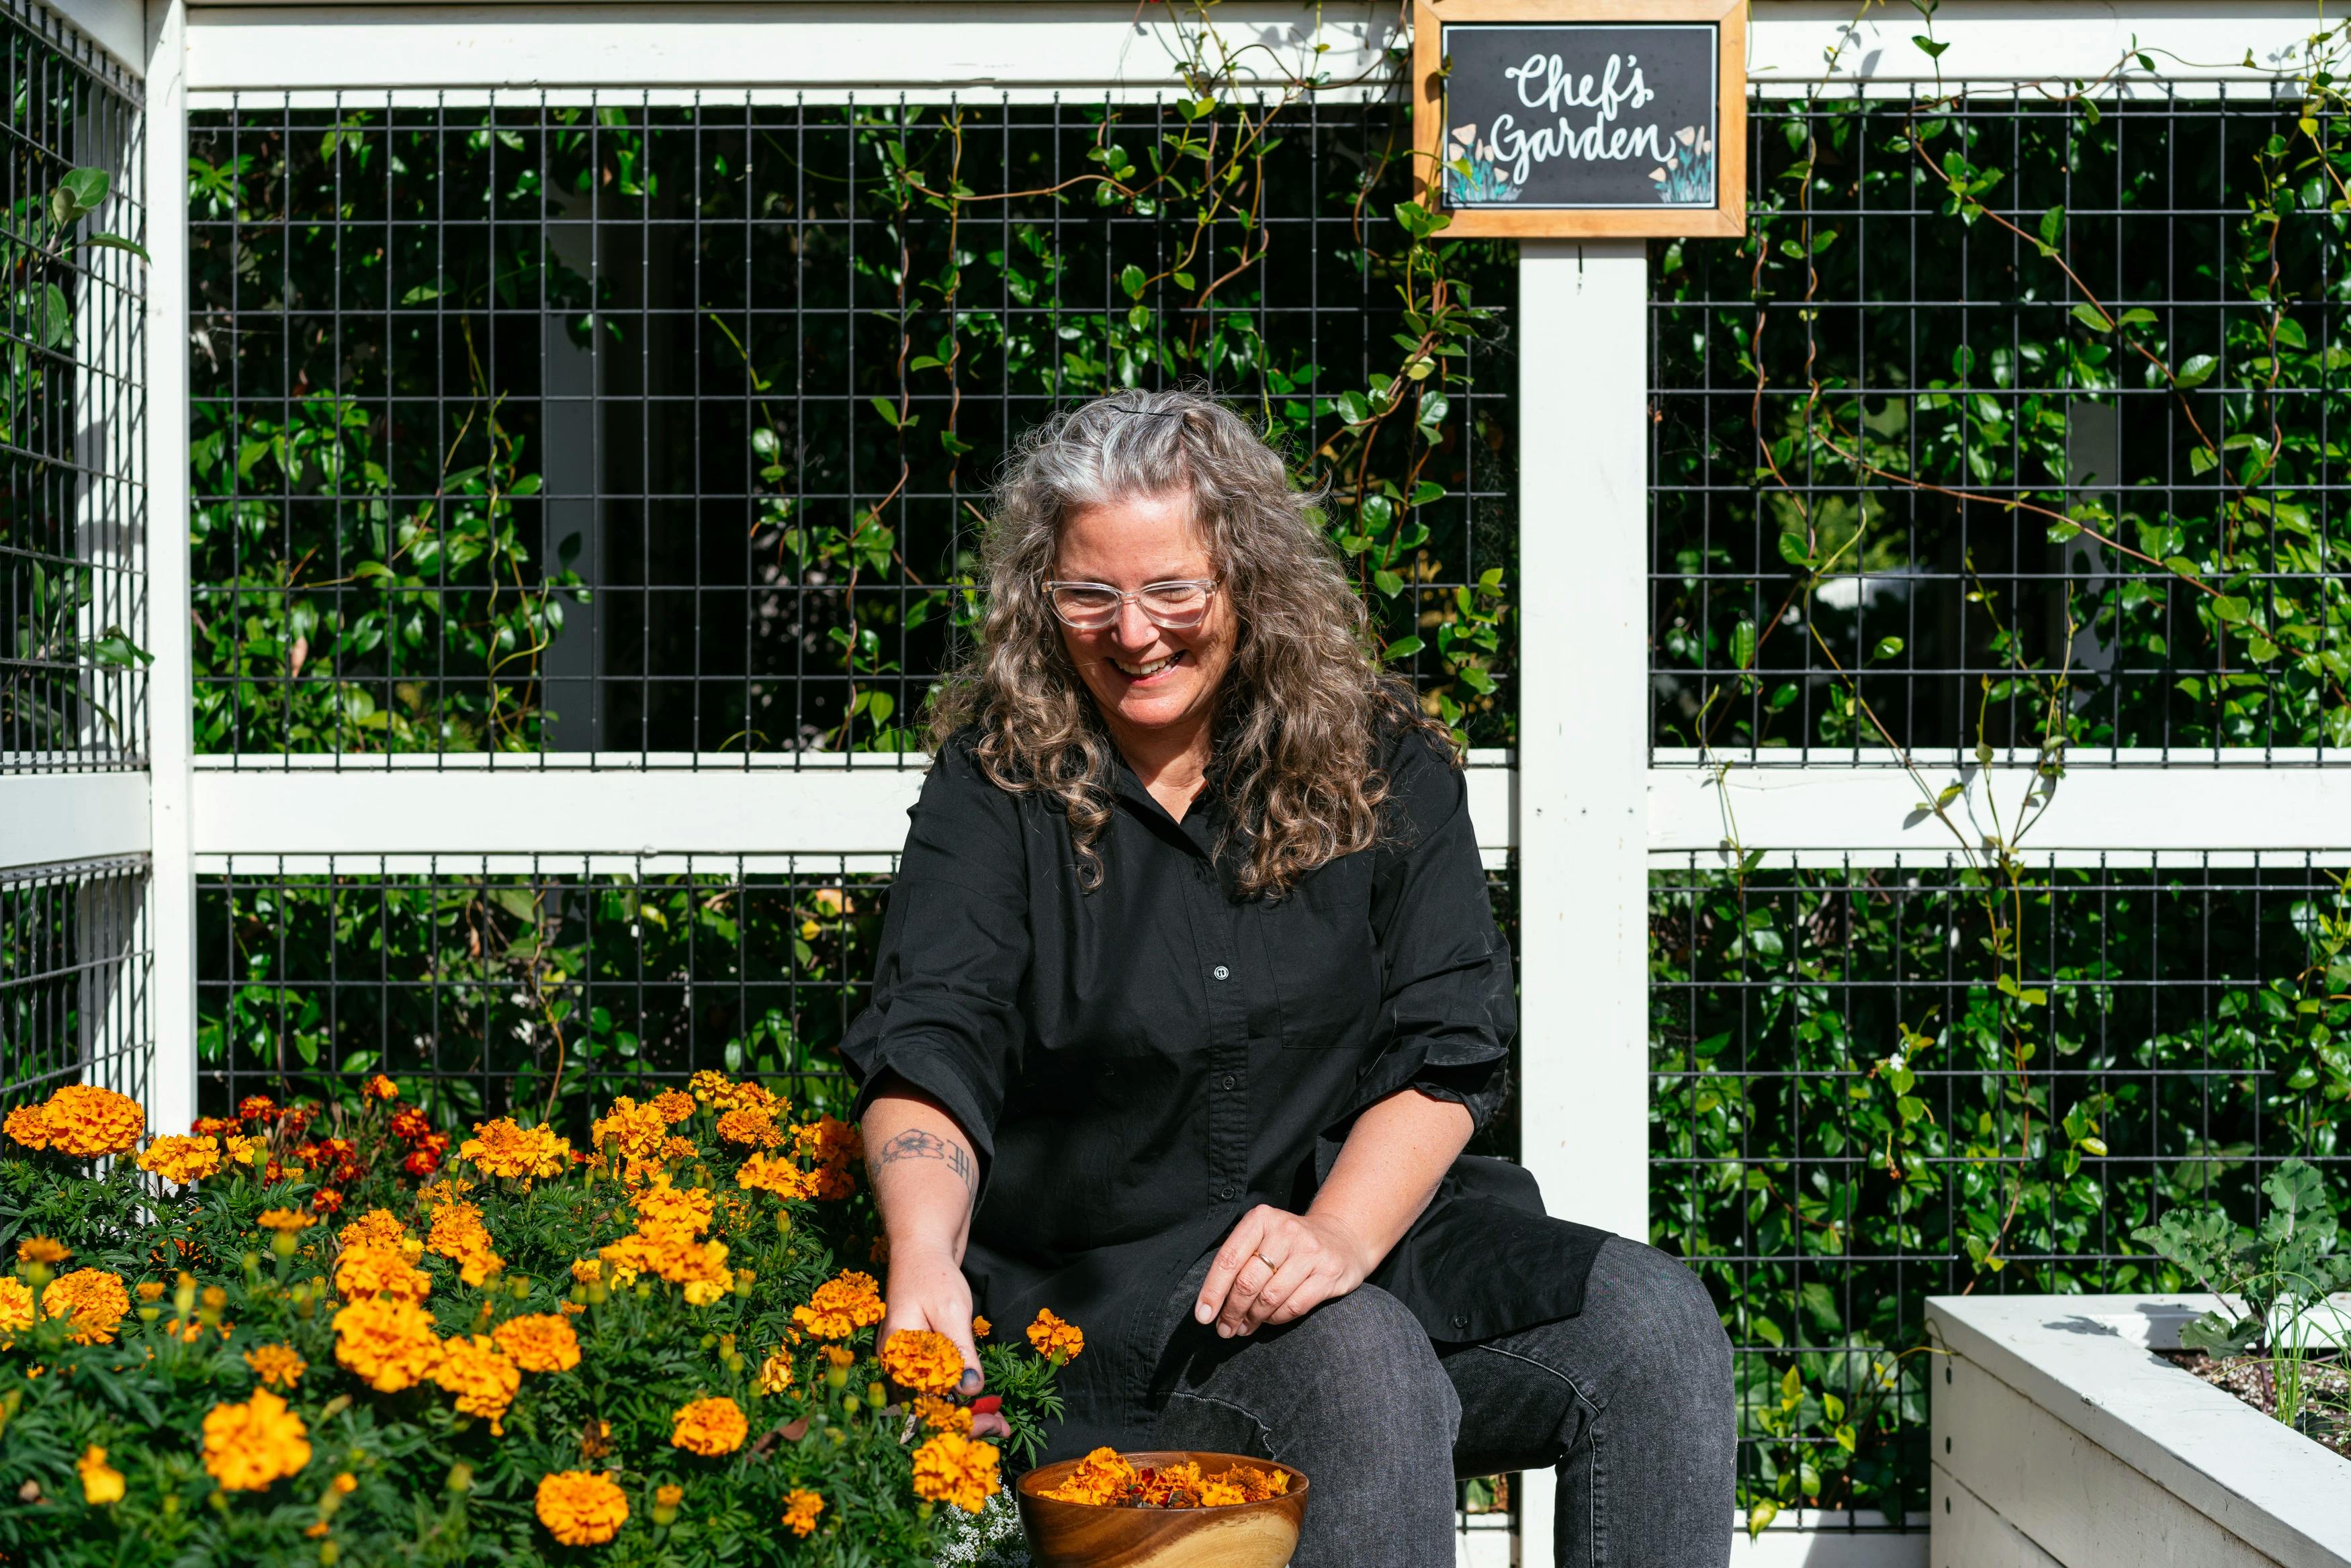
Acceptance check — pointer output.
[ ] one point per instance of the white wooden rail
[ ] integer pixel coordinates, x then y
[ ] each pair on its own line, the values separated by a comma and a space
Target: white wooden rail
1585, 808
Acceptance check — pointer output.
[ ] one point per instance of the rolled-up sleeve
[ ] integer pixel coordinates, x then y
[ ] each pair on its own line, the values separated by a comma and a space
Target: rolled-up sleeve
946, 1015
1449, 998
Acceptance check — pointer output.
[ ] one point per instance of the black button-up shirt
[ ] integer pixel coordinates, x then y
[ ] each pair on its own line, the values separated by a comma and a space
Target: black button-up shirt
1140, 1062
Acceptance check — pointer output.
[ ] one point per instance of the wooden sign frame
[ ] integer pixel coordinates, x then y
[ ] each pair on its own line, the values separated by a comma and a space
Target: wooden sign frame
1728, 216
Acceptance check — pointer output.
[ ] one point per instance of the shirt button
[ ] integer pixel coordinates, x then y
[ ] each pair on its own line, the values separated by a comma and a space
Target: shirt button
1221, 972
1460, 1321
1230, 1080
1227, 1195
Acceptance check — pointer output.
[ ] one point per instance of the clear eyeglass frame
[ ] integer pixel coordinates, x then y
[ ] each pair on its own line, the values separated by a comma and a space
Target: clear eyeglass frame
1106, 608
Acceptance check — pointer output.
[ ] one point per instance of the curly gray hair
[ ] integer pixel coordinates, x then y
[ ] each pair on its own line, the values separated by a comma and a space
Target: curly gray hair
1299, 724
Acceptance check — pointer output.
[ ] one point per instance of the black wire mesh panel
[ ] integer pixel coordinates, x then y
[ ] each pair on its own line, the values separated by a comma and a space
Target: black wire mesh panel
664, 428
547, 984
73, 500
1856, 1105
2011, 419
74, 969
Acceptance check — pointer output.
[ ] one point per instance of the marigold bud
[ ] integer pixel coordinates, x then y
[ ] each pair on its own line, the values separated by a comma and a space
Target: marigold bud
461, 1476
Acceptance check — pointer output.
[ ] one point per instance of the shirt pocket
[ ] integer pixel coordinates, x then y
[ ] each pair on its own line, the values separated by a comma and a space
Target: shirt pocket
1327, 970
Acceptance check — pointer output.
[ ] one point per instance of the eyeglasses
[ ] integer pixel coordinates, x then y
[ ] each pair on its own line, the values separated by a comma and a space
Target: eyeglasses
1090, 606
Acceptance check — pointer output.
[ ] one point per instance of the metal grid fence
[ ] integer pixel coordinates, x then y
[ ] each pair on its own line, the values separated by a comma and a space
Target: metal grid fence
74, 969
1927, 478
1846, 1116
73, 498
661, 430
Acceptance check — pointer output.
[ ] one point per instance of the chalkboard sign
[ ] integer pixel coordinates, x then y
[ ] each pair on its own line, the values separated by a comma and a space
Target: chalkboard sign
1582, 117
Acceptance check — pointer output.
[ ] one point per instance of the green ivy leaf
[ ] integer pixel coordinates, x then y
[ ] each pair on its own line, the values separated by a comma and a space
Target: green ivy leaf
2196, 372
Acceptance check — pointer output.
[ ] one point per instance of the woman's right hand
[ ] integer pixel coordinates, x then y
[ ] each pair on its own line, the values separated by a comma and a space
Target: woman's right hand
927, 1291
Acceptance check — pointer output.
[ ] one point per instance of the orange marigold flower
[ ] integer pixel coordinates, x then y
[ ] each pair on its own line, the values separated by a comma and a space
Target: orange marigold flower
248, 1446
504, 1148
662, 1206
182, 1160
800, 1508
672, 1106
840, 1355
588, 1272
327, 1201
101, 1482
580, 1507
373, 1270
479, 1374
42, 1249
29, 1125
668, 1497
286, 1220
840, 1306
775, 1373
953, 1469
244, 1148
277, 1365
709, 1427
215, 1127
149, 1291
1053, 1339
638, 1131
381, 1088
755, 1129
722, 1093
541, 1342
95, 1300
16, 1306
1098, 1478
457, 1231
81, 1120
925, 1362
376, 1228
389, 1344
941, 1415
780, 1175
410, 1123
256, 1109
980, 1327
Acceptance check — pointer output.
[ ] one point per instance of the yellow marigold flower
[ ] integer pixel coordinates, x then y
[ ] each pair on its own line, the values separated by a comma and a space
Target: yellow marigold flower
389, 1344
664, 1206
833, 1146
709, 1427
180, 1160
953, 1469
371, 1270
800, 1508
504, 1148
150, 1290
755, 1129
345, 1483
780, 1175
29, 1125
277, 1365
721, 1092
580, 1507
707, 1084
381, 1088
286, 1220
672, 1105
1053, 1339
458, 1234
477, 1372
248, 1446
541, 1342
840, 1355
86, 1121
925, 1362
840, 1306
42, 1249
101, 1483
376, 1228
95, 1300
638, 1130
249, 1149
16, 1306
941, 1415
775, 1373
980, 1327
669, 1496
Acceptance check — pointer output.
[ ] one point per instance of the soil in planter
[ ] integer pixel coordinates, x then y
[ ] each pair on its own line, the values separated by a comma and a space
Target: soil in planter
2327, 1391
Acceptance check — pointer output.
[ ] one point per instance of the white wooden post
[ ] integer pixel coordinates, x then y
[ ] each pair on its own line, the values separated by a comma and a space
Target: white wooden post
1582, 746
171, 930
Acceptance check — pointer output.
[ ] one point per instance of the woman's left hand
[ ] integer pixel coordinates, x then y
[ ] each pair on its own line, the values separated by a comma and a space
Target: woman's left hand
1276, 1267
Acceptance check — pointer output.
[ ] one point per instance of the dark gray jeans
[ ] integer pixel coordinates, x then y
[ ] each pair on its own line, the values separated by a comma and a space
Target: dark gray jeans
1631, 1400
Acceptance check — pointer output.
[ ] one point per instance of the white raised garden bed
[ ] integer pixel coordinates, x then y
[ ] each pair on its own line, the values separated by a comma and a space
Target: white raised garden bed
2061, 1442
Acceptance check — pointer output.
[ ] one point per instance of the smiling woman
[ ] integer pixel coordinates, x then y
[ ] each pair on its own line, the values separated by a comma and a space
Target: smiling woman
1189, 1000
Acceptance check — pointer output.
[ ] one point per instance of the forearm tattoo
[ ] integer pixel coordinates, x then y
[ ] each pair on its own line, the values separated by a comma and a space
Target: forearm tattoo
916, 1144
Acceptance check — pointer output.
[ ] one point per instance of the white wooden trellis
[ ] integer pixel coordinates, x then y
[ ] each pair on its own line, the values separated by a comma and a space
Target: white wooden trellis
1584, 803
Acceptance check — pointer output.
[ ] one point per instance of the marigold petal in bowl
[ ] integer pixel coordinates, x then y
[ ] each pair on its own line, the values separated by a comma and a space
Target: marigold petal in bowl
1262, 1533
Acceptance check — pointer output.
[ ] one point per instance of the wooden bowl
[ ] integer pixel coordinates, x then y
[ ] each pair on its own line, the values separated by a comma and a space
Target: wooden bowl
1261, 1534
